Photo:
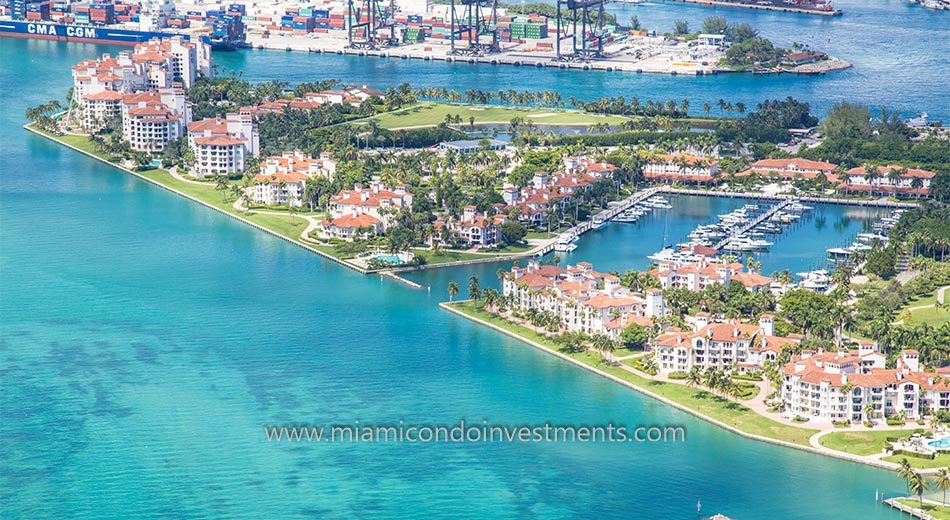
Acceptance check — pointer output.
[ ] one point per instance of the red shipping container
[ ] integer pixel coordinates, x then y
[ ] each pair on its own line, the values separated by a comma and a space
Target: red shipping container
263, 18
81, 9
320, 30
68, 19
33, 15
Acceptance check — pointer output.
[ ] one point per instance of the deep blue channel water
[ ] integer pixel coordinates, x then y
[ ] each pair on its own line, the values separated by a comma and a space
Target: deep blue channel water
900, 52
145, 341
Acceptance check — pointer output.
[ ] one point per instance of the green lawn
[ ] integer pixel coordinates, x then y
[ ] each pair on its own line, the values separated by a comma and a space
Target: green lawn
942, 461
520, 247
709, 405
442, 257
931, 316
858, 443
432, 114
936, 511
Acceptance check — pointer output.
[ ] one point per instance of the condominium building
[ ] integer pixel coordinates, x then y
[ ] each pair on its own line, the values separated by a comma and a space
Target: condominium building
584, 300
681, 168
888, 180
99, 108
476, 229
279, 188
299, 162
165, 67
185, 60
152, 64
366, 211
791, 169
726, 345
152, 119
700, 274
855, 386
221, 146
118, 74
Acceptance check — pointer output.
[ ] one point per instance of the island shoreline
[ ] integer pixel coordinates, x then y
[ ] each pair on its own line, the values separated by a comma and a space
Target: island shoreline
451, 307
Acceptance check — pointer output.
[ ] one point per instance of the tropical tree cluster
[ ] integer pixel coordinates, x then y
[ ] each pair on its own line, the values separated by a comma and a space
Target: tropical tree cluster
42, 115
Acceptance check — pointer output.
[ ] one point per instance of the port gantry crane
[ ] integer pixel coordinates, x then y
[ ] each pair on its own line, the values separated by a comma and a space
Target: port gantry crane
371, 24
590, 15
471, 26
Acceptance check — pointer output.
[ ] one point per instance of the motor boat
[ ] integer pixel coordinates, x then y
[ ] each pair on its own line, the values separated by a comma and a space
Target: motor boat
599, 221
565, 242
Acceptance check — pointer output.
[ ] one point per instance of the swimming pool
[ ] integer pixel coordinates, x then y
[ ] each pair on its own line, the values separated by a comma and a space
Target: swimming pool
392, 259
942, 443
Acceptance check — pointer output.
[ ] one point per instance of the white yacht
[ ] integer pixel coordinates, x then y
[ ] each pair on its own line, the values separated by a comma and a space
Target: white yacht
598, 221
565, 242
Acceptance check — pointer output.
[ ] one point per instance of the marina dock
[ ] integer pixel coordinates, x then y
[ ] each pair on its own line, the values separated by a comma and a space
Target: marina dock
756, 221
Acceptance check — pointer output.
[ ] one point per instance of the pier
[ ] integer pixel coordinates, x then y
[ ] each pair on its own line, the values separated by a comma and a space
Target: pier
756, 221
912, 511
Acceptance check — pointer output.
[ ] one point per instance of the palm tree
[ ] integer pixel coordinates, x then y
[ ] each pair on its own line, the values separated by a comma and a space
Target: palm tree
649, 366
916, 183
894, 177
917, 484
734, 390
453, 290
871, 175
905, 470
694, 377
221, 184
474, 289
942, 482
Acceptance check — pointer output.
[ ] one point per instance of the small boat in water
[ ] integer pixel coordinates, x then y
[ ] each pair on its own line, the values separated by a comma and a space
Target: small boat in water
565, 242
599, 221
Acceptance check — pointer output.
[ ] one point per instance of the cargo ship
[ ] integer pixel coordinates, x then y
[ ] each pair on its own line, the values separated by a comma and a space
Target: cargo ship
117, 23
78, 33
102, 34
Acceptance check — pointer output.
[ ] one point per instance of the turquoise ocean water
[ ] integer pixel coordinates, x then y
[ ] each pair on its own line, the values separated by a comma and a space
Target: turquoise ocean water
145, 341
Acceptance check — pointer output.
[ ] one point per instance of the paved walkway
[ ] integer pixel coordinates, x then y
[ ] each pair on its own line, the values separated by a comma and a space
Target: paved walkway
312, 222
174, 173
941, 295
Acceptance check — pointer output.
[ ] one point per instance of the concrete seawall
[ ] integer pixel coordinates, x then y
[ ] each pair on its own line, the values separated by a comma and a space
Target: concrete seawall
839, 455
197, 201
